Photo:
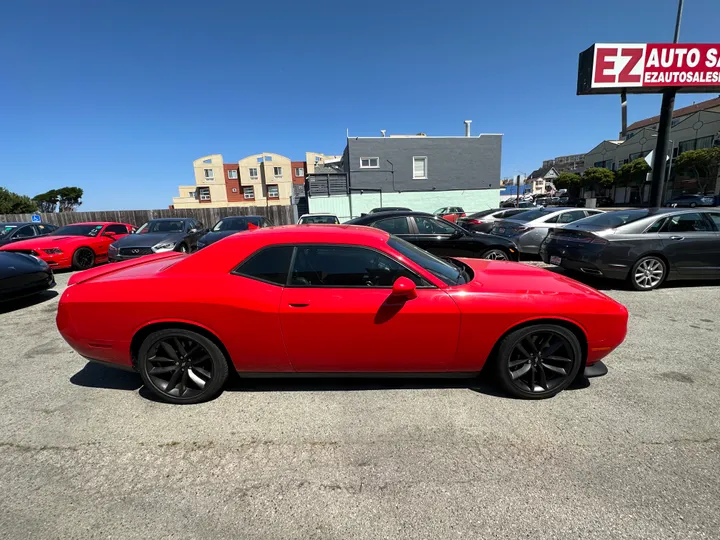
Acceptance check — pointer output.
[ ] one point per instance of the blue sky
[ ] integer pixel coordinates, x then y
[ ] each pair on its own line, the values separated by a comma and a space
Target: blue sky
119, 97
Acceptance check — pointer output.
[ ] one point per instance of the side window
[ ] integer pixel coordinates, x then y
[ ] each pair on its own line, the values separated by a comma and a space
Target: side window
432, 226
117, 229
685, 223
397, 225
592, 212
28, 231
573, 215
189, 224
270, 264
715, 217
343, 266
553, 219
42, 228
655, 227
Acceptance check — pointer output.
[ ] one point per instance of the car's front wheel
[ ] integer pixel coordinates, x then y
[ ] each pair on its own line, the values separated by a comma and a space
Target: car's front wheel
182, 366
182, 248
648, 273
495, 254
83, 259
538, 361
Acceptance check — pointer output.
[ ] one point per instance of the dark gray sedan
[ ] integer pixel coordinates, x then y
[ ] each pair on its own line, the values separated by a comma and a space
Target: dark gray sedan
157, 236
644, 246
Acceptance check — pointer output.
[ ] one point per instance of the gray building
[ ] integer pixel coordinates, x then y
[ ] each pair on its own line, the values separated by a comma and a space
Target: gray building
416, 171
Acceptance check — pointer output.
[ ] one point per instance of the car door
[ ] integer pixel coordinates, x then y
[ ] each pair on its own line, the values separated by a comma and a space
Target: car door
25, 232
691, 245
43, 229
440, 237
338, 315
399, 226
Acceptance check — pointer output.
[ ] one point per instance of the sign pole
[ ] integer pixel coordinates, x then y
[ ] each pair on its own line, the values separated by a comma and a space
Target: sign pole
657, 187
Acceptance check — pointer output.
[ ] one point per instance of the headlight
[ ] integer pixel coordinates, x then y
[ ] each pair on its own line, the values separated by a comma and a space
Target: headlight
53, 251
163, 246
113, 248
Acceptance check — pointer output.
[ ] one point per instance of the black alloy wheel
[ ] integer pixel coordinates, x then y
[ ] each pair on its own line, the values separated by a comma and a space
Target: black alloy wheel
181, 366
83, 259
495, 255
538, 361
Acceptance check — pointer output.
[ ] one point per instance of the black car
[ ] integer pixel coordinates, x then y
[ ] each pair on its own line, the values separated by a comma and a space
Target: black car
19, 230
231, 225
157, 236
483, 221
644, 246
691, 201
23, 275
439, 236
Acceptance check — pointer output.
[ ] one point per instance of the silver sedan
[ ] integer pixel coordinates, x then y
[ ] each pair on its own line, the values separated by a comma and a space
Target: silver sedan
530, 228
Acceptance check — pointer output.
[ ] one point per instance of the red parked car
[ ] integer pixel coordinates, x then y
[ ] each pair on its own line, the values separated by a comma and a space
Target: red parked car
342, 299
78, 246
450, 213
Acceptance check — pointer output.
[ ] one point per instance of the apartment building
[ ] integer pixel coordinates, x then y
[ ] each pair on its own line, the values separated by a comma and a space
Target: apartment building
710, 105
259, 180
314, 159
573, 163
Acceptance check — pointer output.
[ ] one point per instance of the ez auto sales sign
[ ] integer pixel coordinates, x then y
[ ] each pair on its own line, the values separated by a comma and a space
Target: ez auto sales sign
607, 68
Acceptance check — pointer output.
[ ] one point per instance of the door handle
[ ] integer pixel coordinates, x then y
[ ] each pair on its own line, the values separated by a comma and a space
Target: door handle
299, 304
677, 238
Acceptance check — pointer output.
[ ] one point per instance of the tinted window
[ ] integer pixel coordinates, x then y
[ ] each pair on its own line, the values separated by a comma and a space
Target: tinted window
610, 220
531, 215
117, 229
715, 216
569, 217
655, 227
341, 266
77, 230
236, 224
686, 223
28, 231
269, 264
553, 219
398, 225
7, 230
433, 226
318, 219
44, 228
162, 226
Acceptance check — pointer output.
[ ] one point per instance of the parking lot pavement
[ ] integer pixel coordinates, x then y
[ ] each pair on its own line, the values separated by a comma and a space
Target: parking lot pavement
84, 453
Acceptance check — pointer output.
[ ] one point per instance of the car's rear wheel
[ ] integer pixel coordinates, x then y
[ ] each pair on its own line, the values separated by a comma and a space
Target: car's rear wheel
182, 366
693, 205
495, 254
83, 259
538, 361
648, 273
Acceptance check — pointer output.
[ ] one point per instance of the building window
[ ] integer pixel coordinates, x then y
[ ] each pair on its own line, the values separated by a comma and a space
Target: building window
232, 175
204, 193
369, 163
249, 193
268, 158
207, 160
607, 164
273, 191
299, 171
191, 194
253, 172
419, 167
317, 158
696, 144
209, 175
277, 171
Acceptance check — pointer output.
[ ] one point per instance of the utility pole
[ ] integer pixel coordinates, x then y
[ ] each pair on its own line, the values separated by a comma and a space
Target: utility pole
623, 109
517, 195
657, 187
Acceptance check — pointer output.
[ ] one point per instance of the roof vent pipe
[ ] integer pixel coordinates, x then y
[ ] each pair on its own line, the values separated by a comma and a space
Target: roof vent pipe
383, 132
467, 127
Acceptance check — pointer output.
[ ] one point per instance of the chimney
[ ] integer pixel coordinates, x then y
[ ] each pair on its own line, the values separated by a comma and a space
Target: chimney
467, 127
383, 132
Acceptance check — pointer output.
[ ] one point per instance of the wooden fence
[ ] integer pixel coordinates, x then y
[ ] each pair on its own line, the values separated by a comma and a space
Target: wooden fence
277, 215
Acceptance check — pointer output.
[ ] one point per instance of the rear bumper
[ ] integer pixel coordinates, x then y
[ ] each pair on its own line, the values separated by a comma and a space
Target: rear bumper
589, 264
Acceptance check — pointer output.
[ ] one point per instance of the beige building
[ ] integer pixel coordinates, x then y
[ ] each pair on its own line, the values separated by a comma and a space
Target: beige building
313, 159
258, 180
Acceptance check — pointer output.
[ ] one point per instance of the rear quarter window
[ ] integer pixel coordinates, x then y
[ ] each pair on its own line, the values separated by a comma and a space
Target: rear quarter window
270, 265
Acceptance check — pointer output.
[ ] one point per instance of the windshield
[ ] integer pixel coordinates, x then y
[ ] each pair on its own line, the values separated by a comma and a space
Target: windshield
235, 224
449, 274
530, 215
6, 230
161, 226
77, 230
610, 220
319, 219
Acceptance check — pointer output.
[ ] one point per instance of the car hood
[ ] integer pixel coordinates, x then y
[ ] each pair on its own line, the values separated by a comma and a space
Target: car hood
44, 242
211, 237
502, 277
147, 240
14, 264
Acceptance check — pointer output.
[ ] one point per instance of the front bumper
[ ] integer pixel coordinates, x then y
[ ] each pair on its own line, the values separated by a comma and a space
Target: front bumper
598, 369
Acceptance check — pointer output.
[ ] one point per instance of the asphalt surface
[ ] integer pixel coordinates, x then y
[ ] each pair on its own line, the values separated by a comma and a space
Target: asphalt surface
85, 453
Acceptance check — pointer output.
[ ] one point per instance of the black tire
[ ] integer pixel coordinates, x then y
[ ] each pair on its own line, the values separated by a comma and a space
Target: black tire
83, 258
648, 273
495, 254
554, 357
193, 364
693, 205
182, 248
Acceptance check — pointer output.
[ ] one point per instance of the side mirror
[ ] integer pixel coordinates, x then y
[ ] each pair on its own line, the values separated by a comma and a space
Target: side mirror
405, 288
192, 231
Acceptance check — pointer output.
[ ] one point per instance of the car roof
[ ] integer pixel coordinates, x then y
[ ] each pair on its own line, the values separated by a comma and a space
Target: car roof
318, 214
385, 215
316, 233
18, 223
174, 218
238, 217
96, 223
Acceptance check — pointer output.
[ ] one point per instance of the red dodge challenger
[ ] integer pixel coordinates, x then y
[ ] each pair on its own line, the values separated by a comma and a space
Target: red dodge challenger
78, 246
321, 299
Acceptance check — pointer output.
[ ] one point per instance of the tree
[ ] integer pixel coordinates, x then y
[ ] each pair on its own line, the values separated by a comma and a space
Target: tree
12, 203
633, 173
701, 164
598, 176
569, 181
47, 201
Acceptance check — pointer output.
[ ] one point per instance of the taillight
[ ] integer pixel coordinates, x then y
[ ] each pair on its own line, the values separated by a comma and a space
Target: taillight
474, 222
598, 240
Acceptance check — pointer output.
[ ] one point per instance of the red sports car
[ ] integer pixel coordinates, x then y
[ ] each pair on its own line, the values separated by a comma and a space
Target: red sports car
78, 246
335, 299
